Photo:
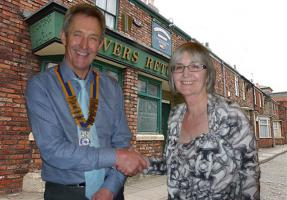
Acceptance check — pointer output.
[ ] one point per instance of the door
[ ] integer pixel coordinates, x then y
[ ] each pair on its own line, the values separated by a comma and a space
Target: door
165, 114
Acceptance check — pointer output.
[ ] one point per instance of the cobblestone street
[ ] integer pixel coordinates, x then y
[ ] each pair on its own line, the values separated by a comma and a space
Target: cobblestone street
274, 179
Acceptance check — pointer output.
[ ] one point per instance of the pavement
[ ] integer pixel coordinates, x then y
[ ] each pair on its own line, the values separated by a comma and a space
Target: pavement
149, 187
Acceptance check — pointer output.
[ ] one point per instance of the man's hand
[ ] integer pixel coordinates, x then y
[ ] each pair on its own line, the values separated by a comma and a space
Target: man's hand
103, 194
130, 162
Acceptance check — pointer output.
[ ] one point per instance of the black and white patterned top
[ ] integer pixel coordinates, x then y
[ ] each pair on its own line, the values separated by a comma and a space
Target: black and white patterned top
220, 164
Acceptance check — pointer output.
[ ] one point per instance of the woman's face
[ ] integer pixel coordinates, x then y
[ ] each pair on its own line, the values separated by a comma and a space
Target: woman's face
190, 83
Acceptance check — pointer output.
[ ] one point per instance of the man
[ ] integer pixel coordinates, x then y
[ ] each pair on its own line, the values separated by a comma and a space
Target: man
77, 118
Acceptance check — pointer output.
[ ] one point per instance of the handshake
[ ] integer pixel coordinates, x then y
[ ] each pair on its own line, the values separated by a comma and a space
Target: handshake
130, 162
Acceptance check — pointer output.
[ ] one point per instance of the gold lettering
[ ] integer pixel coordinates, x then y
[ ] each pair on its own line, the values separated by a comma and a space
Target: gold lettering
126, 54
135, 57
149, 63
129, 54
156, 66
117, 49
107, 44
164, 69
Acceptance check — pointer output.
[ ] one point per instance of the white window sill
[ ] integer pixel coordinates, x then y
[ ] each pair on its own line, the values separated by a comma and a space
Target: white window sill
143, 137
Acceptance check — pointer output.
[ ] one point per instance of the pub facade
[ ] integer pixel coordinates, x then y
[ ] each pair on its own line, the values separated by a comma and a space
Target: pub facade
136, 51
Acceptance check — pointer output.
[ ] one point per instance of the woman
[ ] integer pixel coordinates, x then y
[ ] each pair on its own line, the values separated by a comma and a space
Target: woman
210, 149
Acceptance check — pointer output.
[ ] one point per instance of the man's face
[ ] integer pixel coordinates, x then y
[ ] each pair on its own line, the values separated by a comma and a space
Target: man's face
82, 42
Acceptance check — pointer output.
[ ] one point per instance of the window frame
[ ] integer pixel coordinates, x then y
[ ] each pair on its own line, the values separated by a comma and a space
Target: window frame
145, 95
104, 67
105, 11
268, 127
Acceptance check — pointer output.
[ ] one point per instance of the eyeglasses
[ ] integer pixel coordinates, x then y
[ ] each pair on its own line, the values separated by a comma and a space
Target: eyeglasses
193, 67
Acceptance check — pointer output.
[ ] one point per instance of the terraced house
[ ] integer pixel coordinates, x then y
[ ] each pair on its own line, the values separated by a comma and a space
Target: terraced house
136, 51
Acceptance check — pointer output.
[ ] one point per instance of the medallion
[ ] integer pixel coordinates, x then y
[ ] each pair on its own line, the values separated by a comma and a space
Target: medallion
83, 124
84, 137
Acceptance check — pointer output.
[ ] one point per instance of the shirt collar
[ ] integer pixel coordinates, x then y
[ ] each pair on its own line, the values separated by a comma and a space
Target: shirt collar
69, 75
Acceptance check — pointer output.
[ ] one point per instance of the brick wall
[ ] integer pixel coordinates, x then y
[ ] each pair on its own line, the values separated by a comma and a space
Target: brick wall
280, 141
248, 95
177, 40
151, 148
259, 106
219, 82
17, 64
131, 98
36, 162
229, 76
265, 143
140, 34
230, 84
282, 111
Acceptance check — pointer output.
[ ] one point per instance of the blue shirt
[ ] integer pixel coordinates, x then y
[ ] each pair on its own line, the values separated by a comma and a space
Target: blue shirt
55, 130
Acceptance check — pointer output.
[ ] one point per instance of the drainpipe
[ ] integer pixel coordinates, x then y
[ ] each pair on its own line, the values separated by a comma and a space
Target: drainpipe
254, 125
254, 117
271, 120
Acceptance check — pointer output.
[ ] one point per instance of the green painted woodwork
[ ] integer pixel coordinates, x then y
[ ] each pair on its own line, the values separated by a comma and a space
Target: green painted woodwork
105, 67
46, 29
128, 54
117, 48
149, 108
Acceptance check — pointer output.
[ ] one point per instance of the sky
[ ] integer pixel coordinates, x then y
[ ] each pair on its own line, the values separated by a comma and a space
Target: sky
250, 34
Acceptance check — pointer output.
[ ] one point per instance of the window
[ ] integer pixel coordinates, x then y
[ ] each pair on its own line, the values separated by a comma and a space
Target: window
276, 109
255, 99
142, 85
260, 100
109, 8
277, 129
236, 86
264, 127
115, 73
50, 61
149, 106
243, 91
148, 115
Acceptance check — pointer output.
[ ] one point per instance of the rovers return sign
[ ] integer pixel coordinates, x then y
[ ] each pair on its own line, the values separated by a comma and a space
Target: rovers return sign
135, 57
